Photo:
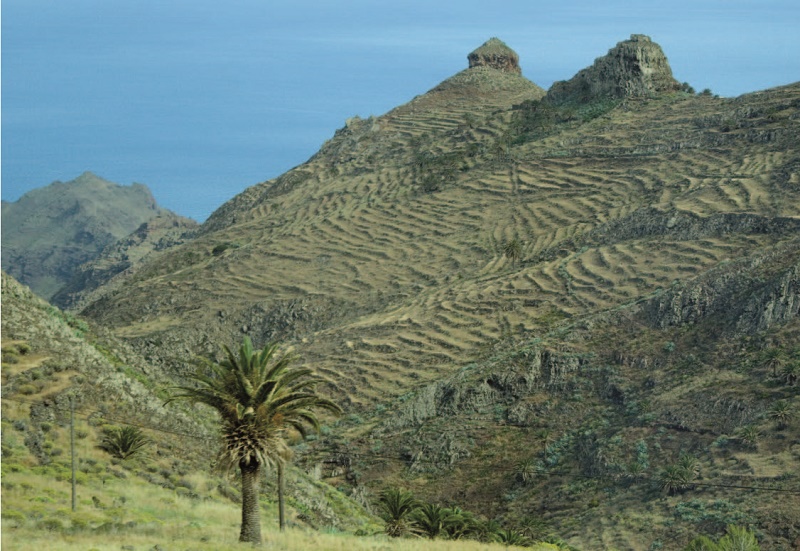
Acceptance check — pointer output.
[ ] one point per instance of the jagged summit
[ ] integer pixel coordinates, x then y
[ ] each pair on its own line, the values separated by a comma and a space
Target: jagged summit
634, 67
496, 54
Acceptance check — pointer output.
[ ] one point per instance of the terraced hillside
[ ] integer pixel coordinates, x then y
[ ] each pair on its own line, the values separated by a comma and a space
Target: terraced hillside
489, 253
388, 252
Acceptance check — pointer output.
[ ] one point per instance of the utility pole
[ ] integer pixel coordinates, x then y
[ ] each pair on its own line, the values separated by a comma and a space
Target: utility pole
281, 514
72, 444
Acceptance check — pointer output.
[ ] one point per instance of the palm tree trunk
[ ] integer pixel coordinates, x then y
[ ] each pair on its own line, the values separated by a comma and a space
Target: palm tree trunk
281, 512
251, 522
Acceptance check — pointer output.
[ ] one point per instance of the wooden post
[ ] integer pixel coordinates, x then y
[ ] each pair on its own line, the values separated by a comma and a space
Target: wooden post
72, 444
281, 515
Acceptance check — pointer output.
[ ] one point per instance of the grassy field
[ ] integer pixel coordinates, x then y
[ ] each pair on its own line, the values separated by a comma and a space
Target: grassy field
114, 513
116, 509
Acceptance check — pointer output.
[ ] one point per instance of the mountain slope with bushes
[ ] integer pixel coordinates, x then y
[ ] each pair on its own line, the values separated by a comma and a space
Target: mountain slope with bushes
573, 310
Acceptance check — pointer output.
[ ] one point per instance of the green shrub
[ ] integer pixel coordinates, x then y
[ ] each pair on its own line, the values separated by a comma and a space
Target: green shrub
50, 524
27, 389
78, 522
736, 538
13, 518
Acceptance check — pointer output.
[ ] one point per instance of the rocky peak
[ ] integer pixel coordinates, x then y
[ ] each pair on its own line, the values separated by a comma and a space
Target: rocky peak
496, 54
634, 67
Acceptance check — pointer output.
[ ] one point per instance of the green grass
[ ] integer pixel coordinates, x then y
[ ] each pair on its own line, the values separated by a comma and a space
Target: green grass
112, 513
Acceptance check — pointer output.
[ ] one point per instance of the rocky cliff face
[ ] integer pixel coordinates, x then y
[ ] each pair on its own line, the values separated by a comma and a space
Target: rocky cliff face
739, 298
632, 68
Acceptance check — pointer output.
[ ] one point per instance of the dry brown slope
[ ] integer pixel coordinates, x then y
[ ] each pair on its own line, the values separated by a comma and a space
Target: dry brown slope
389, 283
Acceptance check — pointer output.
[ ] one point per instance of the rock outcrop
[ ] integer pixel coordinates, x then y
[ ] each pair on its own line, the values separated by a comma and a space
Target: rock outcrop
739, 298
632, 68
496, 54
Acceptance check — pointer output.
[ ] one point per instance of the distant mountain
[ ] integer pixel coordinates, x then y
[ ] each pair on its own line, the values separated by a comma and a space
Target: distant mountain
575, 311
50, 231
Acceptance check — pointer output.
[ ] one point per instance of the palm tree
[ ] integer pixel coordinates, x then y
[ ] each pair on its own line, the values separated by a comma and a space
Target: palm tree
790, 373
488, 531
512, 537
258, 395
674, 479
461, 524
545, 437
690, 464
782, 412
774, 358
526, 470
124, 442
397, 506
748, 436
513, 250
432, 519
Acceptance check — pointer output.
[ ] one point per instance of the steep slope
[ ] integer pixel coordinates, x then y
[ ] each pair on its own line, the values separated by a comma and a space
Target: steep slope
52, 361
642, 426
359, 204
159, 233
485, 262
50, 231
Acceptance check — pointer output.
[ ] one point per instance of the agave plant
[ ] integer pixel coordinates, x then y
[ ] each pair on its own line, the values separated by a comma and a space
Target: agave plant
124, 442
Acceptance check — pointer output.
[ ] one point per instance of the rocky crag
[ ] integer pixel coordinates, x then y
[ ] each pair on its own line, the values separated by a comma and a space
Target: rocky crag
636, 67
496, 54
